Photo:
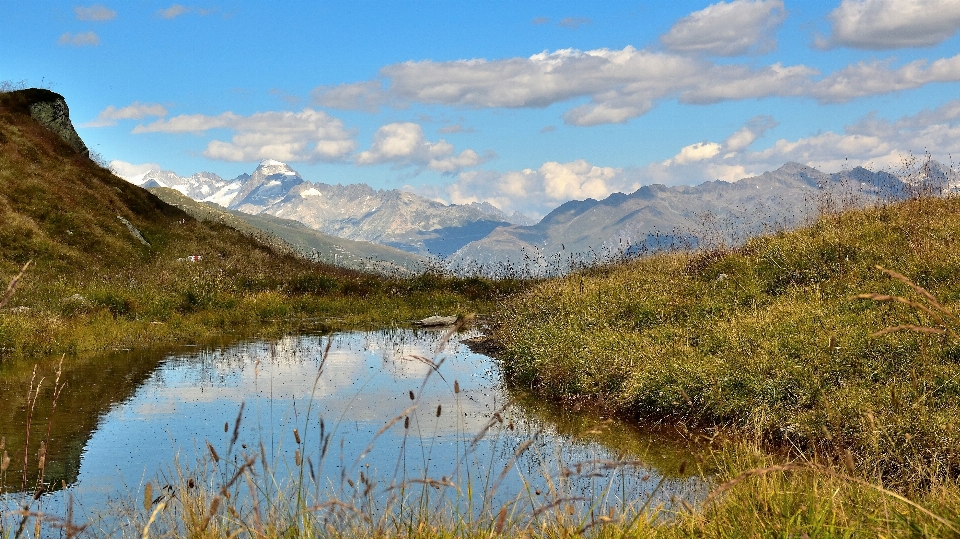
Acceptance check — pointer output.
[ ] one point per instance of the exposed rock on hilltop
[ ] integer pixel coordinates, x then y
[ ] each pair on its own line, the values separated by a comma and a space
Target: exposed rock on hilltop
51, 111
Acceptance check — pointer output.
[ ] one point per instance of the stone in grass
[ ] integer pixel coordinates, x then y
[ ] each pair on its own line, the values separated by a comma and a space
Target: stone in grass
436, 321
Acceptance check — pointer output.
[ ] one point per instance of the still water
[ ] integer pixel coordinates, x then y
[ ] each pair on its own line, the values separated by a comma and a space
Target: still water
379, 418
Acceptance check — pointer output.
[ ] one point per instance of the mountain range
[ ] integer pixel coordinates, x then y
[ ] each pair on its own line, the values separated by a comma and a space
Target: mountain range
481, 238
297, 238
394, 218
708, 215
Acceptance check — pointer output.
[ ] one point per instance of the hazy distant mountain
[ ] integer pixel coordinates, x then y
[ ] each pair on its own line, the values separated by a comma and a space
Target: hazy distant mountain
710, 214
358, 212
295, 237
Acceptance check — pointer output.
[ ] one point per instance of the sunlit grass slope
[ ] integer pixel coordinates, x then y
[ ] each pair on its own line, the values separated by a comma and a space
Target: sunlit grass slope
95, 285
769, 339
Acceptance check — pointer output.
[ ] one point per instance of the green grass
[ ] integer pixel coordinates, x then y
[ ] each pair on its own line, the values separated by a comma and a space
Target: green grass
768, 340
185, 302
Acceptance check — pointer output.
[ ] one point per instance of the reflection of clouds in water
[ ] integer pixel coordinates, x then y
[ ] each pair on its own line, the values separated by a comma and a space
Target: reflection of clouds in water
366, 377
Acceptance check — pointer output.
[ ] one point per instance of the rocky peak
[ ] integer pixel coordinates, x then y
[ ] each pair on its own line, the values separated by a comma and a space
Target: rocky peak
51, 111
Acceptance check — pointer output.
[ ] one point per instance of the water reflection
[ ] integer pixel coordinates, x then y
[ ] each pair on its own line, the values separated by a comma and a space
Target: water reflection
397, 406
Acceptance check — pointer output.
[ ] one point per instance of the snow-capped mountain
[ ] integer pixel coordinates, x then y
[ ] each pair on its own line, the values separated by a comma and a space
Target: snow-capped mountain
480, 236
356, 211
268, 185
202, 186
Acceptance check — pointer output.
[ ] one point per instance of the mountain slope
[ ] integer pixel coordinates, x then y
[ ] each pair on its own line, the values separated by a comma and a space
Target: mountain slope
298, 238
657, 217
394, 218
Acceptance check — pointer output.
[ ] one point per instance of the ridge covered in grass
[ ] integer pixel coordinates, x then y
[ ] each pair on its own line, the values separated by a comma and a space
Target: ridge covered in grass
769, 339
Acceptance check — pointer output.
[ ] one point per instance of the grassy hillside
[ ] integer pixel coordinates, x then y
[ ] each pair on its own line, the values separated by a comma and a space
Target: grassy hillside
94, 284
770, 339
837, 382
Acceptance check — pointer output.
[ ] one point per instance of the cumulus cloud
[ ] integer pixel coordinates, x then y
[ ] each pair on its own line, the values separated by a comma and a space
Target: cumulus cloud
308, 135
82, 39
542, 189
96, 12
728, 29
872, 78
133, 111
695, 152
751, 131
619, 85
892, 24
736, 142
540, 20
404, 144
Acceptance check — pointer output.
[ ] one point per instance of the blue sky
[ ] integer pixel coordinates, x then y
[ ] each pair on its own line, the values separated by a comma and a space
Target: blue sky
522, 104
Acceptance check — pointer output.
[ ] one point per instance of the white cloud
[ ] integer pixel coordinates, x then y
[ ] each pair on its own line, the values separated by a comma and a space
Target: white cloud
404, 144
540, 80
751, 131
538, 191
892, 24
733, 82
577, 180
873, 142
872, 78
728, 29
81, 39
132, 172
308, 135
133, 111
738, 141
96, 12
622, 84
695, 152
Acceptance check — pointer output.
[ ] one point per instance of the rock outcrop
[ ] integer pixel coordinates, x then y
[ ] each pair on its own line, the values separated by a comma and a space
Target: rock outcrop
51, 111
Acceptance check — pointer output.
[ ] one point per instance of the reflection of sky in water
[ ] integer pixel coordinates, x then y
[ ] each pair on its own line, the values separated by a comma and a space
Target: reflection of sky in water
365, 382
